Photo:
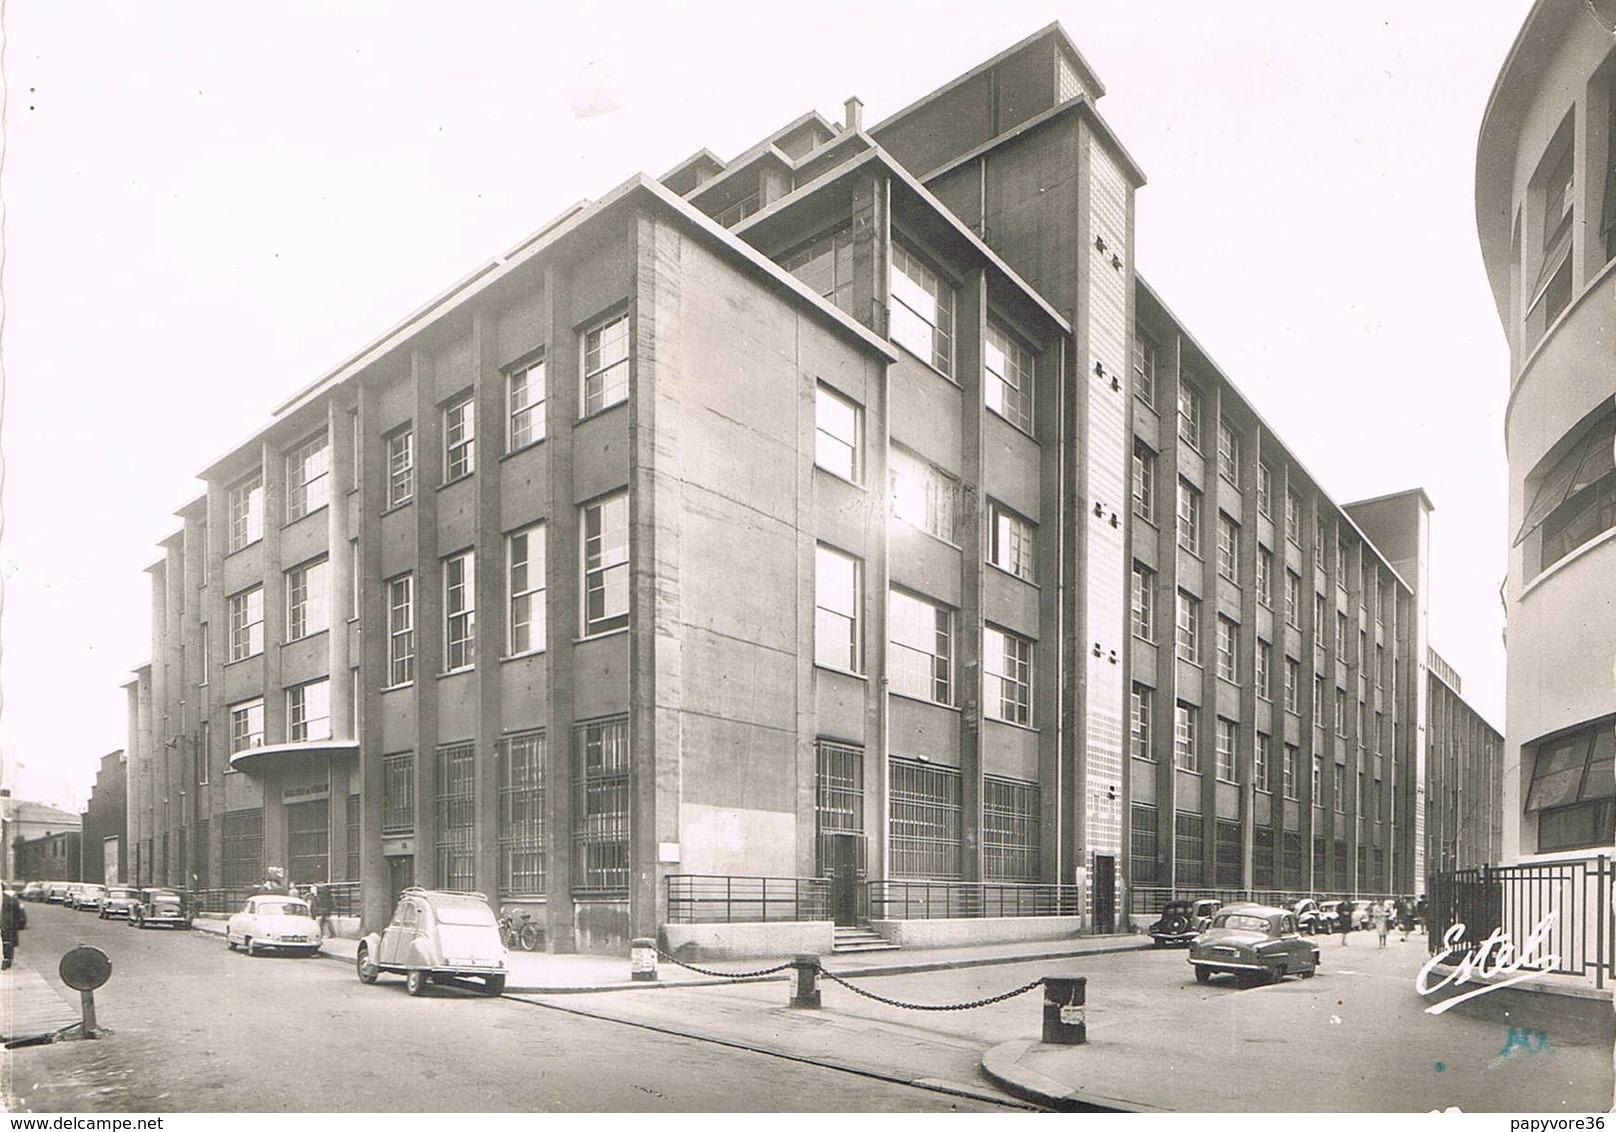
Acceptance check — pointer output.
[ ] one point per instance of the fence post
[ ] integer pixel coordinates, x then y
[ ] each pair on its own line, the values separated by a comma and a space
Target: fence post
1602, 939
1065, 1010
805, 982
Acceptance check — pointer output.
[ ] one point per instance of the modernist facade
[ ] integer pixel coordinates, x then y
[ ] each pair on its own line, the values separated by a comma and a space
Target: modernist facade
1546, 213
848, 507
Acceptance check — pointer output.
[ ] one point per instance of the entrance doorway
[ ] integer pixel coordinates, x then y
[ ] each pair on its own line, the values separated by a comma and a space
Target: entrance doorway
1105, 895
842, 863
400, 875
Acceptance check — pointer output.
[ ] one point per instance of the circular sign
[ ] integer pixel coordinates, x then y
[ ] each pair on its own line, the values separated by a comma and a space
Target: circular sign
85, 968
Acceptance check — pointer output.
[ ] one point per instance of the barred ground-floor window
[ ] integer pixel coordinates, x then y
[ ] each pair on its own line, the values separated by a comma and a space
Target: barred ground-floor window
351, 872
1318, 863
521, 815
926, 821
204, 847
243, 848
1010, 829
838, 805
1341, 879
600, 807
1189, 835
1226, 870
1262, 857
308, 842
1291, 861
456, 817
1143, 868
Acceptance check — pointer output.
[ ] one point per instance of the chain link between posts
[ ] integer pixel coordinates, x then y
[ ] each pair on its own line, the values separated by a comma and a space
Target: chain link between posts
1036, 983
724, 974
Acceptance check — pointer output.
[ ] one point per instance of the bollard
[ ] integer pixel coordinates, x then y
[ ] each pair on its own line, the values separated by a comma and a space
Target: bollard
84, 969
642, 960
1064, 1020
805, 982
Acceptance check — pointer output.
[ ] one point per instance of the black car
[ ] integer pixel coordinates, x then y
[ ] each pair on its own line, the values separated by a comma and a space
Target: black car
1183, 920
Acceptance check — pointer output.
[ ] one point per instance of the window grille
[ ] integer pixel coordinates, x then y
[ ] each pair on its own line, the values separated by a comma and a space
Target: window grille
1189, 832
1010, 830
242, 848
926, 821
456, 818
1143, 867
398, 794
600, 807
522, 859
838, 800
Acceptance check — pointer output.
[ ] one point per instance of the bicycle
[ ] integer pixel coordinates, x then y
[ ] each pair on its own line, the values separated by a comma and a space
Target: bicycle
517, 928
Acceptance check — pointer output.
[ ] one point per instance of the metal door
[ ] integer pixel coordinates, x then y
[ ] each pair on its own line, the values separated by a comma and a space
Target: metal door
1105, 895
842, 864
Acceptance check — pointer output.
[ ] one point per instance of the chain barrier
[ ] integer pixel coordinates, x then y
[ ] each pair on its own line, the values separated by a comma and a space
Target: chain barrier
724, 974
1036, 983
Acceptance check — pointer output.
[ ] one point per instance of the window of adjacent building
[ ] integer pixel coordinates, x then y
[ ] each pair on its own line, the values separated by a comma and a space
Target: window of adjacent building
459, 611
1318, 782
1556, 182
926, 821
246, 725
1264, 670
1228, 451
205, 645
605, 564
1189, 517
1228, 648
245, 503
526, 399
524, 579
1011, 542
1139, 738
1189, 835
308, 599
241, 847
605, 365
1007, 669
1188, 627
1143, 822
1293, 756
1321, 620
838, 804
1144, 367
1261, 762
1224, 745
1144, 482
204, 753
1293, 598
922, 310
1228, 548
1293, 516
1189, 415
1265, 576
401, 630
400, 466
1009, 377
1380, 664
1144, 602
308, 712
398, 794
1318, 701
459, 438
1293, 685
1572, 790
1339, 788
920, 659
1265, 490
308, 476
836, 609
456, 814
1186, 727
246, 612
825, 266
1340, 712
600, 807
1010, 829
923, 495
1575, 497
520, 834
837, 439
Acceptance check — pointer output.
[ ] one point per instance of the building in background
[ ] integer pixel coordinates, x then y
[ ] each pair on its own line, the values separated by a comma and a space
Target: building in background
850, 509
29, 821
105, 823
49, 856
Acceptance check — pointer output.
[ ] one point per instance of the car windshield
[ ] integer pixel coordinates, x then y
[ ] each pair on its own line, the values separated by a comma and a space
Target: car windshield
161, 894
122, 893
282, 908
1242, 923
467, 912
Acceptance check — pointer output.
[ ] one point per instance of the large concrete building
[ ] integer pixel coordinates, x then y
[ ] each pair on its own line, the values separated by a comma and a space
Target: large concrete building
849, 508
1546, 212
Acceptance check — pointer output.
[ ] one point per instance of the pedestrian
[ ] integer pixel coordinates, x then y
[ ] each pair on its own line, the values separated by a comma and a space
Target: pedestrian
320, 908
1382, 916
12, 920
1420, 912
1344, 920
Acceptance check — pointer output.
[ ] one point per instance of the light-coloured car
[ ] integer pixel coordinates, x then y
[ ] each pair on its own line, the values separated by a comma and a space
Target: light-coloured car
89, 896
273, 923
56, 892
33, 890
119, 902
160, 907
1253, 942
437, 937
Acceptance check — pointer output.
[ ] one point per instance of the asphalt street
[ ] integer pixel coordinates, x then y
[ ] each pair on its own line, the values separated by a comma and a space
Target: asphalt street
193, 1027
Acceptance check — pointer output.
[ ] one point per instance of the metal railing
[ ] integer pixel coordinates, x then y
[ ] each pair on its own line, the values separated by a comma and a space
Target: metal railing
1516, 899
702, 899
1149, 901
968, 900
345, 896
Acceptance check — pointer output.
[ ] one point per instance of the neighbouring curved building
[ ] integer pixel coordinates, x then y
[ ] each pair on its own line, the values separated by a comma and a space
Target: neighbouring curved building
1546, 212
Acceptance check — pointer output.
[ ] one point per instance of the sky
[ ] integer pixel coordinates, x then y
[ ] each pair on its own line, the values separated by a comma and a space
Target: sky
207, 207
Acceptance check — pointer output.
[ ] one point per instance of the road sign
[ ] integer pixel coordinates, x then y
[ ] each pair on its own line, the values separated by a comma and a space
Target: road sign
85, 968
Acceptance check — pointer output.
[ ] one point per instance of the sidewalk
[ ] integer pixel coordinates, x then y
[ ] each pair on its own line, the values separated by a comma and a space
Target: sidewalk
29, 1005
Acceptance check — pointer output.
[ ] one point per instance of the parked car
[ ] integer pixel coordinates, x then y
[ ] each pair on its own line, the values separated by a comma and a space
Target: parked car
56, 892
89, 896
160, 907
1335, 916
273, 923
1306, 912
119, 902
1182, 920
436, 937
33, 890
71, 897
1253, 942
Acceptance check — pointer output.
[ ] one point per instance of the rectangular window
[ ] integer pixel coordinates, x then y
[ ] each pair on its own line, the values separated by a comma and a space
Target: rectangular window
605, 368
1320, 620
1189, 415
921, 314
1293, 598
1228, 452
456, 817
1340, 712
204, 754
1339, 785
1293, 756
1009, 379
1261, 761
1010, 829
1139, 741
205, 647
246, 725
308, 840
308, 476
1011, 542
1264, 670
1341, 636
1144, 482
352, 839
401, 631
1144, 367
922, 495
1189, 517
1144, 603
246, 507
825, 265
838, 805
1318, 781
308, 599
398, 794
308, 712
1228, 649
1293, 686
926, 821
524, 579
1293, 516
1225, 750
400, 466
521, 815
1318, 701
242, 847
1189, 832
600, 807
1188, 623
1186, 736
459, 611
1228, 548
1143, 832
1007, 669
1226, 853
459, 438
837, 440
526, 398
920, 659
836, 610
1265, 491
246, 610
605, 566
1265, 576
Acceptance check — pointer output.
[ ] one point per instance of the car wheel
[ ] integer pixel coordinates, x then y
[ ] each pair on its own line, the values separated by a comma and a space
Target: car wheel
416, 982
1203, 975
229, 944
252, 948
362, 963
494, 984
1275, 974
1307, 974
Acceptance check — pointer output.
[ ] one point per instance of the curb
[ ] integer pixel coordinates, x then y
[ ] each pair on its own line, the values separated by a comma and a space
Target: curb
1002, 1065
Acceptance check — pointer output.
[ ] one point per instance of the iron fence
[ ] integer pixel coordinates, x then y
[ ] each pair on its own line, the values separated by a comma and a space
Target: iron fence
702, 899
345, 896
1515, 900
967, 900
1149, 901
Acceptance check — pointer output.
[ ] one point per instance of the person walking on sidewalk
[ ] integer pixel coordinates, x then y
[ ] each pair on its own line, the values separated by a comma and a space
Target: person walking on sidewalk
1344, 920
1383, 921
